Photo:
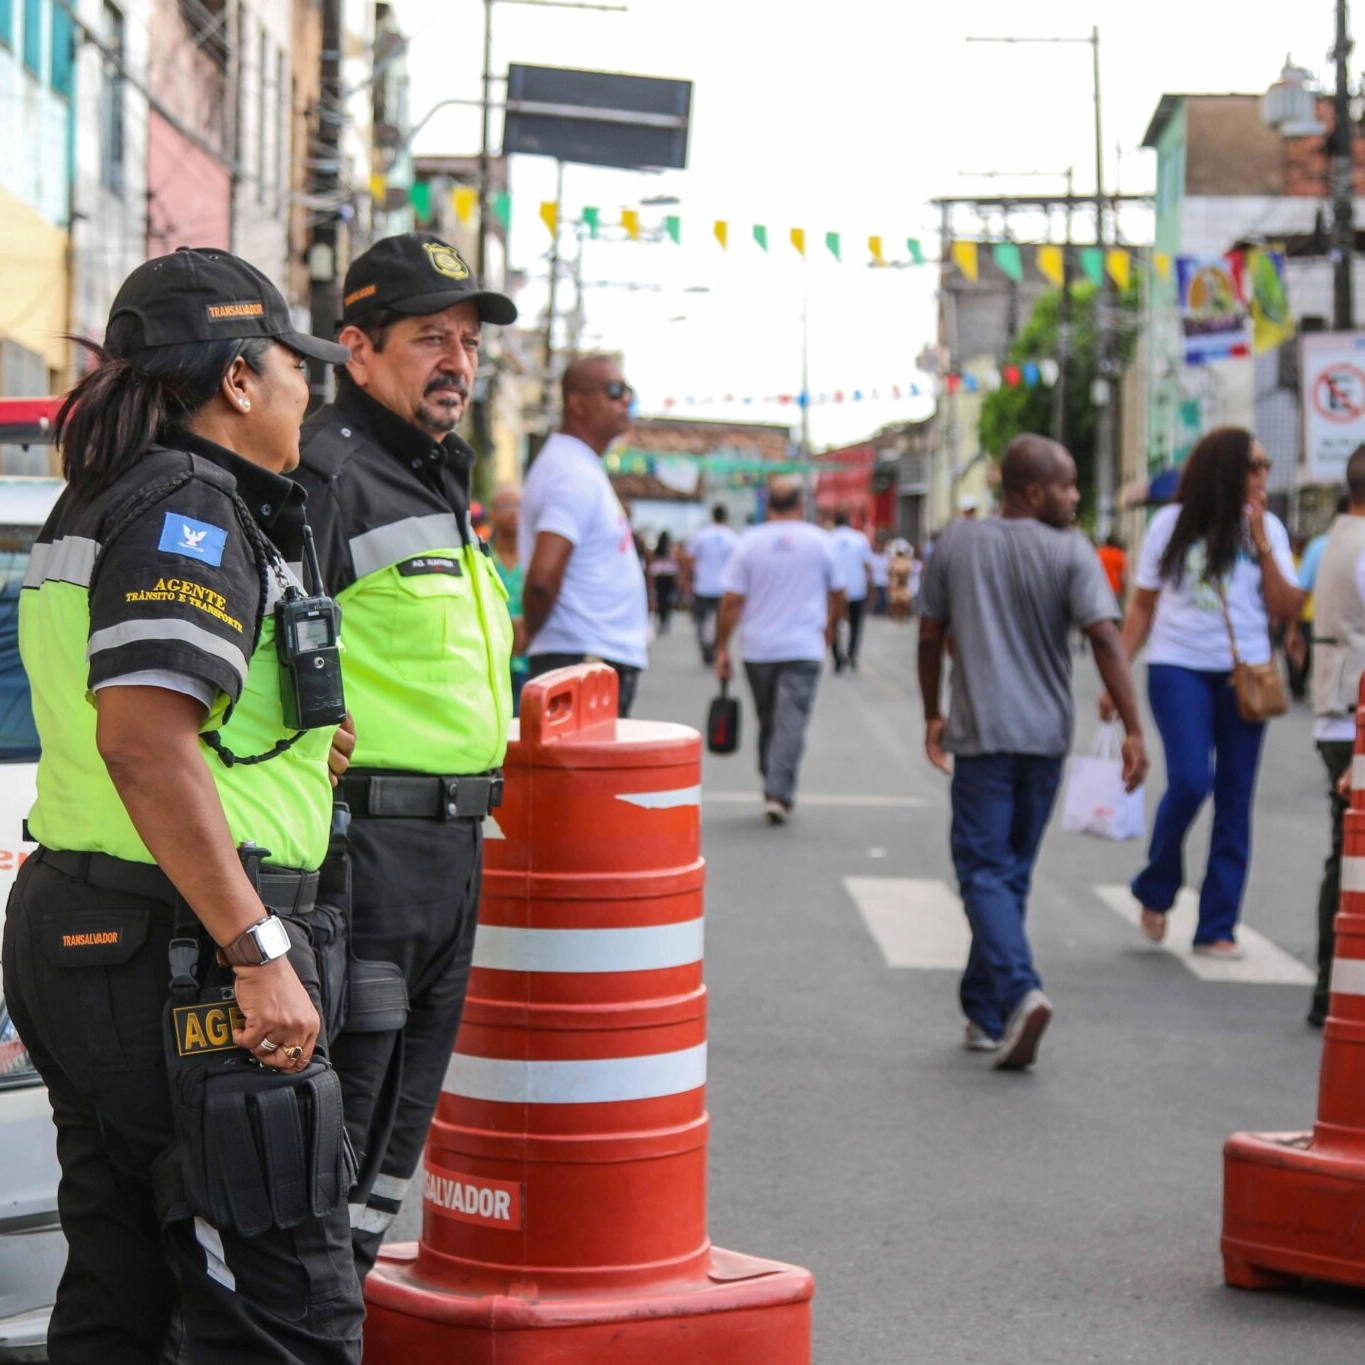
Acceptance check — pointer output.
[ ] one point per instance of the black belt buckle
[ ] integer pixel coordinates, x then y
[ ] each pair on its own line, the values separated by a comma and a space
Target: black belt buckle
495, 791
470, 798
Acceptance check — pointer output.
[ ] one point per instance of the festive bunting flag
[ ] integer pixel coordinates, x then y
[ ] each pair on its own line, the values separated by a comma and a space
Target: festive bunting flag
1031, 375
916, 251
630, 220
1119, 264
502, 208
592, 220
1049, 371
1051, 266
419, 196
761, 235
832, 242
1008, 260
965, 258
673, 226
1162, 262
971, 383
798, 236
1092, 264
379, 188
549, 215
722, 231
464, 201
1012, 376
874, 247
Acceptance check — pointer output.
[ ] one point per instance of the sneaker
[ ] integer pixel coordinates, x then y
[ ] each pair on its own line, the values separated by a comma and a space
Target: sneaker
774, 812
1019, 1042
1224, 948
978, 1040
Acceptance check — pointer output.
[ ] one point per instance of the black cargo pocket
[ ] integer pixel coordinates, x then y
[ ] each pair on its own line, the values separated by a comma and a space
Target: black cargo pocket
110, 1005
326, 926
377, 998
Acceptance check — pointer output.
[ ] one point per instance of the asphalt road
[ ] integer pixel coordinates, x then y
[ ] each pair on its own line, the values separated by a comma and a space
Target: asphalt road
950, 1213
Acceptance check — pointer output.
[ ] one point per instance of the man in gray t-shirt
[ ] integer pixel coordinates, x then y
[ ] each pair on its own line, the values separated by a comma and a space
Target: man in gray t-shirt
1007, 591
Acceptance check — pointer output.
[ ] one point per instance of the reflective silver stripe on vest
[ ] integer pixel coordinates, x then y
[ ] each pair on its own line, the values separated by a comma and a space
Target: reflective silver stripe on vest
400, 540
131, 632
68, 560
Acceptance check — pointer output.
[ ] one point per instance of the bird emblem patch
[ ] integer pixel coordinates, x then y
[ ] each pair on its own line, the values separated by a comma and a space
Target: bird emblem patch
201, 540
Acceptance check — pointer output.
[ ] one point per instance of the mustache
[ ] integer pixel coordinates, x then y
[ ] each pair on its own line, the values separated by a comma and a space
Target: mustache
443, 382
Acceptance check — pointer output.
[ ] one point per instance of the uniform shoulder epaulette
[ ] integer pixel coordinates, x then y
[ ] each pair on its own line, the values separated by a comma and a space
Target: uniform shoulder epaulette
328, 439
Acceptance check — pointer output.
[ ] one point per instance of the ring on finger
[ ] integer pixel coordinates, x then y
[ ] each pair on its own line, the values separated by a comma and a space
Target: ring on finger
267, 1046
293, 1053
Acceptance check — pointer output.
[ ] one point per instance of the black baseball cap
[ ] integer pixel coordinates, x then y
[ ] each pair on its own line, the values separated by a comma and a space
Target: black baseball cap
203, 294
416, 273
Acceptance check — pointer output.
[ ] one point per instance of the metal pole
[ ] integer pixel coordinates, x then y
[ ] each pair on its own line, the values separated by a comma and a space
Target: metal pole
481, 407
547, 403
324, 295
1106, 429
1063, 327
808, 465
1343, 182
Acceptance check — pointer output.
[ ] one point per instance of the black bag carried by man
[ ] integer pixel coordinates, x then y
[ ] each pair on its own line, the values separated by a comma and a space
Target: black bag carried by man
722, 723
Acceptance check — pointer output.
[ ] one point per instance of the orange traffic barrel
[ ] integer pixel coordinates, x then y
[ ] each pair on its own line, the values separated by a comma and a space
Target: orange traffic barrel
1294, 1203
564, 1211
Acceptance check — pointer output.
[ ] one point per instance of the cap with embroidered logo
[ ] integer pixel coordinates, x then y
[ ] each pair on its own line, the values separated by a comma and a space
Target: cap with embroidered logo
202, 294
415, 274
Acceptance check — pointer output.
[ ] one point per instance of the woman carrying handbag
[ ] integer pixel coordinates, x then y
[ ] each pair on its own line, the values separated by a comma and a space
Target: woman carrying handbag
1214, 571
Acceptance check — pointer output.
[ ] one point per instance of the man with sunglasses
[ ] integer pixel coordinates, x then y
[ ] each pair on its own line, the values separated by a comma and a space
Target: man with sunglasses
584, 597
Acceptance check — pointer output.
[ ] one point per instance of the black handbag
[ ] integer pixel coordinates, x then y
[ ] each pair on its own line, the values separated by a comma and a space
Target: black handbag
722, 723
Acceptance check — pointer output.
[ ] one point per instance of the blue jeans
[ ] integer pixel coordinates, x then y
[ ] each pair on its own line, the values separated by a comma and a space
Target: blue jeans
1209, 748
1001, 806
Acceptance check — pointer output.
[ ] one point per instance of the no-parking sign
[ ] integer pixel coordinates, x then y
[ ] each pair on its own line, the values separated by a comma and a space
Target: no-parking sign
1332, 399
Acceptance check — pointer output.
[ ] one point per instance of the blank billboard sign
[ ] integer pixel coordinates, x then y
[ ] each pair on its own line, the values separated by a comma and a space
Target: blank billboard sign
600, 118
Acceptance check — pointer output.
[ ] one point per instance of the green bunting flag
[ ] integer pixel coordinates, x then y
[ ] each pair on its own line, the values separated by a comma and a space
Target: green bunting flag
673, 226
761, 235
419, 196
832, 242
1009, 261
916, 251
592, 220
1092, 263
502, 208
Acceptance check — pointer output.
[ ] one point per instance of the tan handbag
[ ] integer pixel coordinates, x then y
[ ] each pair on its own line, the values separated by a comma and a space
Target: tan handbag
1260, 688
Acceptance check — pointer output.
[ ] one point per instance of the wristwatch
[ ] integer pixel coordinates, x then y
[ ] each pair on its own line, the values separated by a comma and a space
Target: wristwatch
258, 943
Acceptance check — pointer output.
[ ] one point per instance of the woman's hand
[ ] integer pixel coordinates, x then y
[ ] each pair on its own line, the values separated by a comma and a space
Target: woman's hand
1253, 513
343, 746
277, 1010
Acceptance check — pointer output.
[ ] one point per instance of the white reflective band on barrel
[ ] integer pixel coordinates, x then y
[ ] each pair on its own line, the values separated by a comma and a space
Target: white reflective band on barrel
1353, 874
1348, 976
643, 949
666, 800
578, 1082
1358, 772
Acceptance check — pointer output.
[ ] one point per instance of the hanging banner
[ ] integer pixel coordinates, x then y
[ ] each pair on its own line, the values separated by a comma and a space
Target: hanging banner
630, 220
1051, 266
1008, 260
1119, 265
464, 201
832, 242
549, 215
1211, 311
798, 239
874, 248
722, 231
965, 258
1272, 321
1332, 400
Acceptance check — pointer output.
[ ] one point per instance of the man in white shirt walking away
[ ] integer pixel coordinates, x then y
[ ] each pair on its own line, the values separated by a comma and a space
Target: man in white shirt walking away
708, 553
784, 592
853, 553
584, 598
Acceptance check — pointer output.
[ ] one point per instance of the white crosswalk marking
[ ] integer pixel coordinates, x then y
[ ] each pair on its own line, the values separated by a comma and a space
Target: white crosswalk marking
852, 800
916, 923
1264, 963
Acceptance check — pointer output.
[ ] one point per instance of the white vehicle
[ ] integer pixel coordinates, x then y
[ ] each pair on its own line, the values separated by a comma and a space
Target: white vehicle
32, 1250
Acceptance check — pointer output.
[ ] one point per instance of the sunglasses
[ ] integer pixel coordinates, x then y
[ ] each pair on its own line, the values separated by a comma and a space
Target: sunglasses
1260, 466
617, 389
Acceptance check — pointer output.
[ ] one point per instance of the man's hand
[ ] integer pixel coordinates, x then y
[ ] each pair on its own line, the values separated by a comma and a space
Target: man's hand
1108, 711
933, 746
1344, 785
343, 746
724, 669
1135, 762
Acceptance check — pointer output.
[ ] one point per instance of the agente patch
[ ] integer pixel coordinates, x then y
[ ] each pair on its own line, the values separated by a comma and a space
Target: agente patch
185, 592
206, 1028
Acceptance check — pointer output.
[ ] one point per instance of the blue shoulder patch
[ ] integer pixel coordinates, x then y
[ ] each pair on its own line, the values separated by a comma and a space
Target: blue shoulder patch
199, 540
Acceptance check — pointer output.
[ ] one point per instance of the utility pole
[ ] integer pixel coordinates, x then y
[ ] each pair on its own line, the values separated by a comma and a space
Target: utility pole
1343, 182
1063, 326
547, 389
481, 426
1106, 315
324, 292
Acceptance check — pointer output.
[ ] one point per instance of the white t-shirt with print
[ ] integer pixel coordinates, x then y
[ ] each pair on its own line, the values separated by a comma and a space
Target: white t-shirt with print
710, 549
784, 570
1189, 630
603, 606
853, 550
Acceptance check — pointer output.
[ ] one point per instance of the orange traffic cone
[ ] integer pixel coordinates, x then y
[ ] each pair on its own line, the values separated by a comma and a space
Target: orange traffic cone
565, 1187
1294, 1203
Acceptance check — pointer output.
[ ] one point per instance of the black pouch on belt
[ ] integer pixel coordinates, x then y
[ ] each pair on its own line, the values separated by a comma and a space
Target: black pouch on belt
256, 1148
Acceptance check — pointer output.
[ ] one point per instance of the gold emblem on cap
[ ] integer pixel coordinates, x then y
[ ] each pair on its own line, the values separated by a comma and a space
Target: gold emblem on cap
445, 260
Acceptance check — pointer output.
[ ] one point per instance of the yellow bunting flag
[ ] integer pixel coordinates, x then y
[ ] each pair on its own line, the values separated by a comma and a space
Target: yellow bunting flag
722, 231
1119, 264
874, 246
464, 201
799, 241
630, 220
1050, 265
1163, 264
379, 188
549, 215
965, 258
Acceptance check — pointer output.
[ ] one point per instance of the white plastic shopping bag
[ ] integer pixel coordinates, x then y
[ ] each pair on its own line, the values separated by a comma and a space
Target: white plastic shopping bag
1094, 801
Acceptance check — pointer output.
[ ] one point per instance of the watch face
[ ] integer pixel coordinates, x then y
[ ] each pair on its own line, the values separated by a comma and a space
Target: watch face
272, 938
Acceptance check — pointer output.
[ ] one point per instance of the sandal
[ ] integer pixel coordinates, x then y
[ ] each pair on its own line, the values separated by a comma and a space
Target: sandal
1153, 924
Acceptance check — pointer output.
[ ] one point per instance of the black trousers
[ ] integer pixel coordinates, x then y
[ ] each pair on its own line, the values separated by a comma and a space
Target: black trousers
134, 1292
704, 611
414, 901
1336, 758
846, 650
627, 675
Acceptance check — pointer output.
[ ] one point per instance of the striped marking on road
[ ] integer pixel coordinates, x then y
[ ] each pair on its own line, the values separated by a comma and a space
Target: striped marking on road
1264, 964
643, 948
606, 1080
917, 923
866, 800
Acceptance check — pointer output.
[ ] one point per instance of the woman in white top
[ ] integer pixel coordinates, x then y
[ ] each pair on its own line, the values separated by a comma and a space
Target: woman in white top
1216, 537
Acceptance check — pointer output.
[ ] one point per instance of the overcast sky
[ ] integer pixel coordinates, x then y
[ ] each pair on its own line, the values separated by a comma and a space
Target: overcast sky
850, 118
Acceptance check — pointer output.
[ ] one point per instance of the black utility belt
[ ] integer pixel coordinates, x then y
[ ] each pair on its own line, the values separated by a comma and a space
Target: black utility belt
412, 796
284, 889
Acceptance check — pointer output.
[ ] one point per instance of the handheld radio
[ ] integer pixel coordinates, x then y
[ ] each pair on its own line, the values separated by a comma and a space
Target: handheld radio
306, 634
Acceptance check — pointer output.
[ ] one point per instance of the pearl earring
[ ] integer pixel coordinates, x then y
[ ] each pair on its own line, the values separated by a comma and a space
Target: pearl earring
246, 405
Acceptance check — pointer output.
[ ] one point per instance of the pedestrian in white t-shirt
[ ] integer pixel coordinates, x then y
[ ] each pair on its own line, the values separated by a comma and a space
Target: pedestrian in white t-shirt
783, 591
853, 553
708, 553
1216, 543
584, 596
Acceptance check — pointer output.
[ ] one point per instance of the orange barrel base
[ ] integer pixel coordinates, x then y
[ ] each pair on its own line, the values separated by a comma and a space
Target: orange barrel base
740, 1311
1292, 1208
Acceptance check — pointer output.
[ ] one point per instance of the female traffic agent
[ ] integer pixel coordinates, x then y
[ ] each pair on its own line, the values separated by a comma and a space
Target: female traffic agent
169, 1009
1215, 565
